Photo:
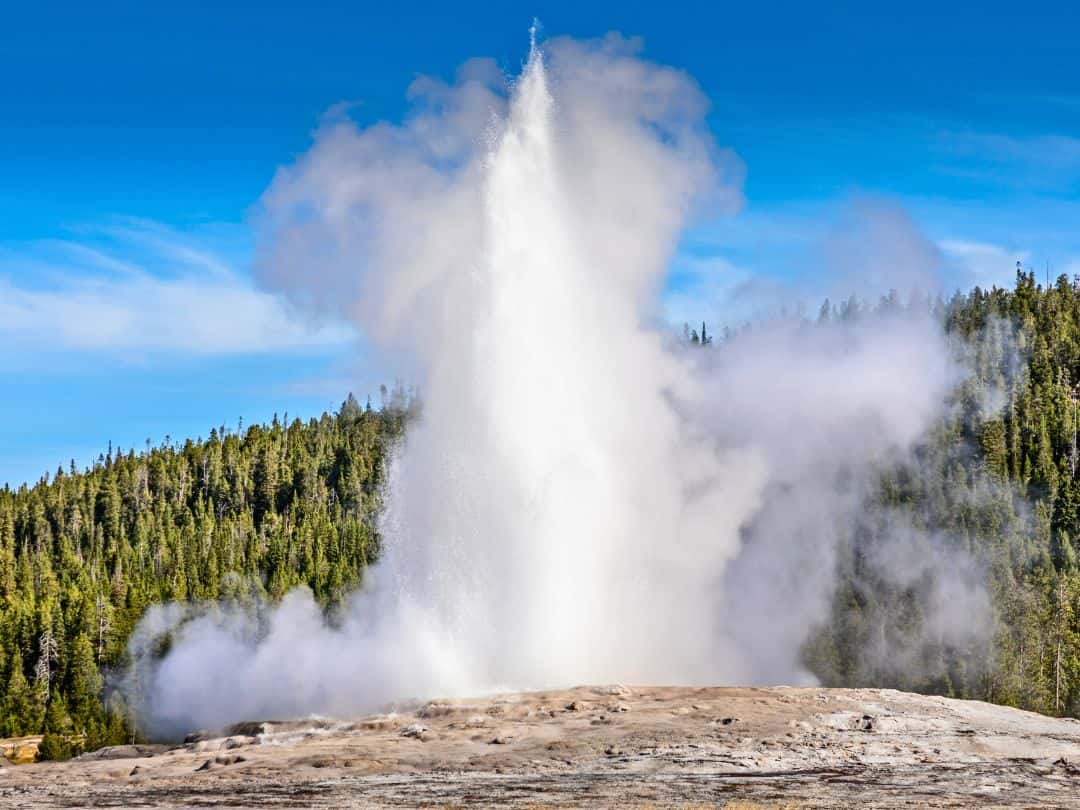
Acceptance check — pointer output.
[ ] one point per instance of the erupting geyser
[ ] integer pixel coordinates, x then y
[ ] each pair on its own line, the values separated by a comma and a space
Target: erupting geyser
568, 508
553, 519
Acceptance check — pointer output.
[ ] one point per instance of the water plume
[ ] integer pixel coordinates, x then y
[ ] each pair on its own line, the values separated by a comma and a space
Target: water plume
572, 503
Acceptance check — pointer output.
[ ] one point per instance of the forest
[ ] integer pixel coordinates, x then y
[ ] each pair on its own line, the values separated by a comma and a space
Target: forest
249, 513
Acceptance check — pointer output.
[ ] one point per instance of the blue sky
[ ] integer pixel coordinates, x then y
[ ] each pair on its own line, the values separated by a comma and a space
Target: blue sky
135, 137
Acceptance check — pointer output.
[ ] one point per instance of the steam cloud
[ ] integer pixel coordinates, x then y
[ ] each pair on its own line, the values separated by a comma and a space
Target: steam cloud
583, 500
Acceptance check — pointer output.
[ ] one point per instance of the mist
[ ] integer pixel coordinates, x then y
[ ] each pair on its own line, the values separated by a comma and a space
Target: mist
584, 498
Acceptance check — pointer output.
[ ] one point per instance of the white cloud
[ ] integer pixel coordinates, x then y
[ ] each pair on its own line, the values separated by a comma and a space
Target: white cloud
983, 263
799, 254
722, 293
136, 287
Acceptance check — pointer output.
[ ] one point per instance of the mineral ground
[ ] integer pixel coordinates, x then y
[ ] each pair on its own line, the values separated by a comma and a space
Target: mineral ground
610, 746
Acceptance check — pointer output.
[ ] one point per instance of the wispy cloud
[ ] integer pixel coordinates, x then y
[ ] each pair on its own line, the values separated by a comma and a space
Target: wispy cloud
134, 287
795, 256
1034, 163
983, 263
710, 289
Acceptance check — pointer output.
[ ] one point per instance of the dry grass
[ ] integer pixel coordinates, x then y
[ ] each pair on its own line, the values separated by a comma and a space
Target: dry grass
20, 750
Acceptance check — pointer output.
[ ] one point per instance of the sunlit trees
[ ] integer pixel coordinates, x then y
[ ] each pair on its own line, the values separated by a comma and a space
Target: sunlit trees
83, 555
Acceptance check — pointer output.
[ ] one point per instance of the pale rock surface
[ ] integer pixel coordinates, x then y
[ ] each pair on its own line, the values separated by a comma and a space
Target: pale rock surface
601, 747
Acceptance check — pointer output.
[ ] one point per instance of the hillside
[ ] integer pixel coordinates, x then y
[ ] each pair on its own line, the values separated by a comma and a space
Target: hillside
246, 515
237, 516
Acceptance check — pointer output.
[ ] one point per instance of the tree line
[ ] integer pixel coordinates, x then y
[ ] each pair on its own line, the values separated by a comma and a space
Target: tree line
240, 515
998, 481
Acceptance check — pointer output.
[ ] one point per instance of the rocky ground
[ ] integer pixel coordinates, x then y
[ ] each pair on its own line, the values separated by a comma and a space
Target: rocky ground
599, 747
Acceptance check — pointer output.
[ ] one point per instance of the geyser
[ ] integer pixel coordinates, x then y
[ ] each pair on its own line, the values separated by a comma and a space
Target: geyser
568, 507
553, 519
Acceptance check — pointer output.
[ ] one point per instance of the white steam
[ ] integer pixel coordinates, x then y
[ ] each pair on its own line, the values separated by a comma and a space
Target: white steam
582, 500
